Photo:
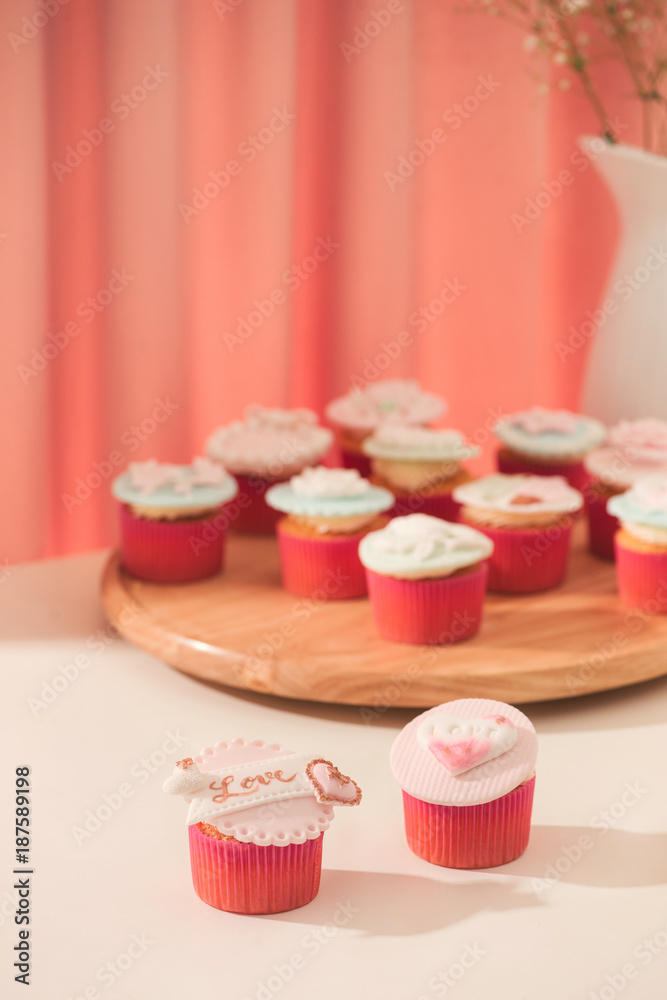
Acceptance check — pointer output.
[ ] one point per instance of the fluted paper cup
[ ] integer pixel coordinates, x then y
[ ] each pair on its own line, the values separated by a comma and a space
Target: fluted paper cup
247, 878
481, 836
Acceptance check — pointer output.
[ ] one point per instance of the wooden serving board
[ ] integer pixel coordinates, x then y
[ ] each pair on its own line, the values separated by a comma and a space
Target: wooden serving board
242, 629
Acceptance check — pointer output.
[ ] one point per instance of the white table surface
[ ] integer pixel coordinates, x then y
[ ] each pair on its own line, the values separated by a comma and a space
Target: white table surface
598, 929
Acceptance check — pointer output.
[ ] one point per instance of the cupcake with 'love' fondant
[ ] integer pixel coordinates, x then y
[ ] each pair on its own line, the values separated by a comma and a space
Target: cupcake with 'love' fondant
362, 410
641, 544
327, 513
543, 442
467, 772
257, 814
529, 520
421, 466
266, 447
426, 579
172, 519
634, 449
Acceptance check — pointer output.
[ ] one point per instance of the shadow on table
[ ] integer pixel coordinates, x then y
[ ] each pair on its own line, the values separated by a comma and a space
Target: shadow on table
643, 703
585, 855
391, 904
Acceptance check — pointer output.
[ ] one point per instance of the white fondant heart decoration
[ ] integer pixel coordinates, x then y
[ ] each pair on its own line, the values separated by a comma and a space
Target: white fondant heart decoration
330, 785
460, 744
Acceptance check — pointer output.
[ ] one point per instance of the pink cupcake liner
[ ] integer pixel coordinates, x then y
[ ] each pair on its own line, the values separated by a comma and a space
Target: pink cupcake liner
249, 511
527, 560
642, 579
172, 551
575, 472
482, 836
441, 505
436, 612
602, 526
356, 460
246, 878
326, 568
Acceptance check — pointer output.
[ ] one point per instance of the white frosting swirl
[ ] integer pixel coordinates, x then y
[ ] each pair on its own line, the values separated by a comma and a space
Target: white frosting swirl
520, 494
420, 546
418, 444
541, 421
324, 482
270, 442
399, 400
644, 440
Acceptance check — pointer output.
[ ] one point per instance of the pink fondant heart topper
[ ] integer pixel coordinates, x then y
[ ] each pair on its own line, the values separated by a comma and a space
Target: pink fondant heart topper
330, 785
460, 744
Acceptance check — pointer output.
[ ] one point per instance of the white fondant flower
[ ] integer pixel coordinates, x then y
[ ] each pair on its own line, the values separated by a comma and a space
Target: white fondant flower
540, 421
642, 439
650, 493
332, 483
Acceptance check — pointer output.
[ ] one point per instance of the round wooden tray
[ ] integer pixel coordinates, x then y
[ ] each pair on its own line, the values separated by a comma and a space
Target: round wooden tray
242, 629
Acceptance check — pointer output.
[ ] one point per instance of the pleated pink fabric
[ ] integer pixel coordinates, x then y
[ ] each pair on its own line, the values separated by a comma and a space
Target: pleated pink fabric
213, 203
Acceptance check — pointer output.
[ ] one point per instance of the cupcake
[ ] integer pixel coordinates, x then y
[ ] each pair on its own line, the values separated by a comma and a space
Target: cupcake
547, 443
467, 771
641, 544
421, 466
634, 449
529, 520
426, 579
267, 447
328, 513
361, 411
172, 521
256, 819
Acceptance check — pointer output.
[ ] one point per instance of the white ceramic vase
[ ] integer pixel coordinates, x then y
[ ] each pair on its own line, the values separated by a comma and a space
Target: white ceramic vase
627, 371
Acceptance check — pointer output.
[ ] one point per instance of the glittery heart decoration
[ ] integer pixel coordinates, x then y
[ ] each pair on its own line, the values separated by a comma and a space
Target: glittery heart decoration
330, 785
461, 744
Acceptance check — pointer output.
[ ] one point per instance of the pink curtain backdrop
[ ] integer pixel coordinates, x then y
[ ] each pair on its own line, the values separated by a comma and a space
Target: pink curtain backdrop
170, 164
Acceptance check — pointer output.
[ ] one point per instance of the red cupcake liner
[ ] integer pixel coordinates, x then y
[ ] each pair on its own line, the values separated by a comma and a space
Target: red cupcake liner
356, 460
441, 505
326, 568
575, 472
436, 612
172, 551
249, 512
527, 560
482, 836
246, 878
602, 526
642, 578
